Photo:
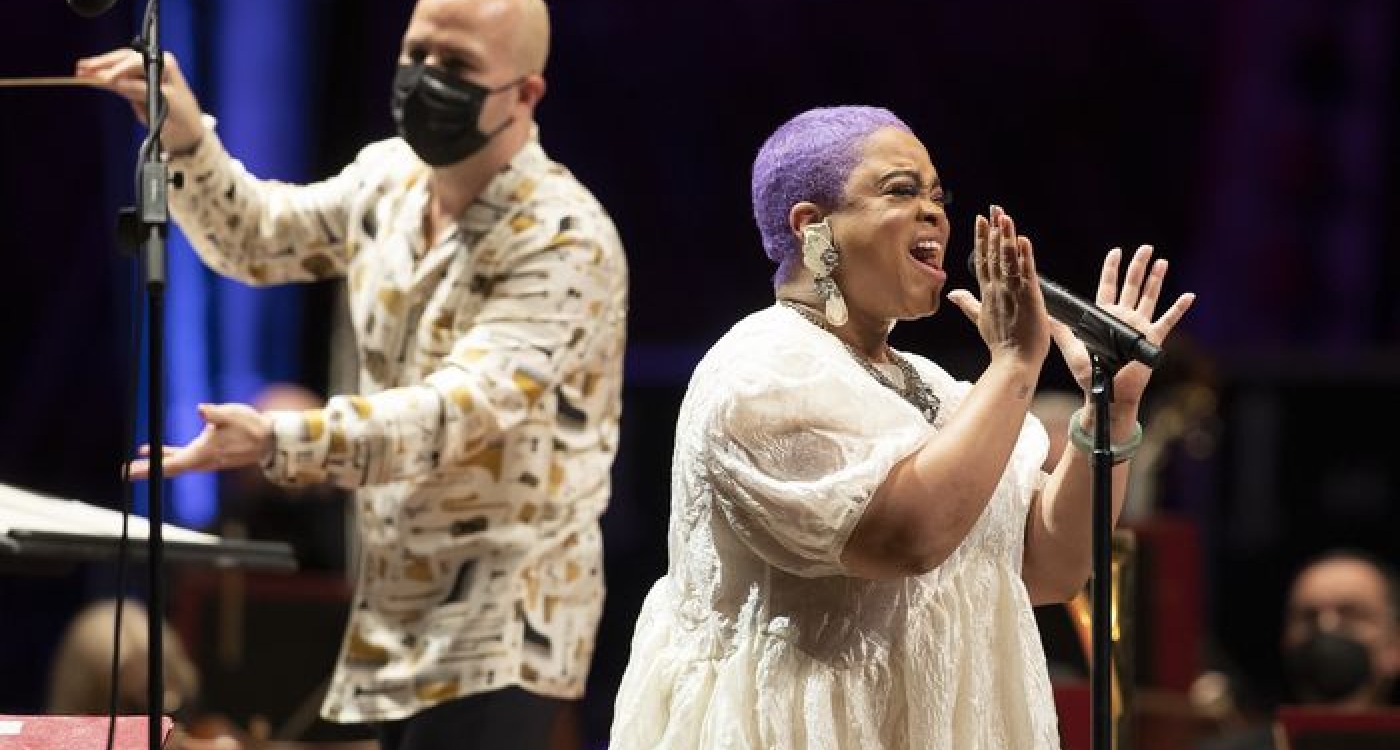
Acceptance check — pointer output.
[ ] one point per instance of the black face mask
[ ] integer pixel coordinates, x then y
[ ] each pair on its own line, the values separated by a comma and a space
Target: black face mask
437, 114
1327, 667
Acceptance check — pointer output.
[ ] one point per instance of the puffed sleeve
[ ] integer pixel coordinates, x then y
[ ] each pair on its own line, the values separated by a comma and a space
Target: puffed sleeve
799, 445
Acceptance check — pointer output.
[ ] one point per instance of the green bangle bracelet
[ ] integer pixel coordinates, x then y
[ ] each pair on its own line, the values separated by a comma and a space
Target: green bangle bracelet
1081, 439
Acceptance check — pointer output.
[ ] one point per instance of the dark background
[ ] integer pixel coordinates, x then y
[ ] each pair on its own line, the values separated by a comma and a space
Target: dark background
1252, 142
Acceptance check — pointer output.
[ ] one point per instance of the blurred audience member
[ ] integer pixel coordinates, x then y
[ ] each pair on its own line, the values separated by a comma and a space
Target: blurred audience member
1340, 644
1341, 636
81, 678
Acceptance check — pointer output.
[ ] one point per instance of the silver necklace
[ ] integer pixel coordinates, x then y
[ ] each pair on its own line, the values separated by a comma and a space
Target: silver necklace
915, 390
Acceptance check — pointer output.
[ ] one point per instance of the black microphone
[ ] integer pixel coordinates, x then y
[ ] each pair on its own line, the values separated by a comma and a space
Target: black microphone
90, 8
1102, 332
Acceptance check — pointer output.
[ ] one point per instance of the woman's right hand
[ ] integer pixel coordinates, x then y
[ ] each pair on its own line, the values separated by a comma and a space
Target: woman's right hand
122, 71
1011, 313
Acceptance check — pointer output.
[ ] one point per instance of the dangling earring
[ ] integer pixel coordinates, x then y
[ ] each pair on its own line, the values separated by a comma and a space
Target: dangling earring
820, 256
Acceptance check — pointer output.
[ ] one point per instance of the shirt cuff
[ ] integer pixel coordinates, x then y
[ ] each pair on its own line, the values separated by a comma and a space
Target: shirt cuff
204, 154
298, 447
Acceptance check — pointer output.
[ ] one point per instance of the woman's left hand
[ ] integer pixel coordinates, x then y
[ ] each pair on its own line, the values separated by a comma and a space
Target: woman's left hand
1134, 303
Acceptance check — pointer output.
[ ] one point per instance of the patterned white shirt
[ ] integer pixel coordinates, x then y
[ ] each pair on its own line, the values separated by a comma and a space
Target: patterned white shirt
482, 442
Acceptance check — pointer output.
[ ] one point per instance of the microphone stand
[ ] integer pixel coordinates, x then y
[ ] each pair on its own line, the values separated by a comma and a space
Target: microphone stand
149, 220
1101, 591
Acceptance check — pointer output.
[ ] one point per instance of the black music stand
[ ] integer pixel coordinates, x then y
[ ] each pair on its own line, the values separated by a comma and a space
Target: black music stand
39, 532
39, 529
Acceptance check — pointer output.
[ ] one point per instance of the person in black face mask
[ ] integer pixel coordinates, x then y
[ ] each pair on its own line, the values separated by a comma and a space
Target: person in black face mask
439, 115
1341, 638
488, 290
1340, 645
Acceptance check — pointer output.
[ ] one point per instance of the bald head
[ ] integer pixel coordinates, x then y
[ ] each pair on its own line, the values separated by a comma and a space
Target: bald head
531, 35
519, 28
1348, 582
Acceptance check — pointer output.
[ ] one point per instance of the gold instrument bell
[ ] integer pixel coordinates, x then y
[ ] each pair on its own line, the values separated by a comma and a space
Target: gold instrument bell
1122, 633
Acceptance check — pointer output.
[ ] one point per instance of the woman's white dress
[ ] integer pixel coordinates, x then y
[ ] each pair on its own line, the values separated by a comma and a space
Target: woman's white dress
757, 637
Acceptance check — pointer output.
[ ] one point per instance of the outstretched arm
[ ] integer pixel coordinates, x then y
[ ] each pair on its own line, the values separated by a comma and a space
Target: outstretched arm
257, 231
540, 326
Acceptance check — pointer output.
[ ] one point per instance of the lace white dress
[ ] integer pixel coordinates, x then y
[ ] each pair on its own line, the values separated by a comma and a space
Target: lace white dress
757, 637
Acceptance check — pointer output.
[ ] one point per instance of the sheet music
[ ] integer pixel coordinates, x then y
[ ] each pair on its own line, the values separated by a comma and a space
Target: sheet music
27, 510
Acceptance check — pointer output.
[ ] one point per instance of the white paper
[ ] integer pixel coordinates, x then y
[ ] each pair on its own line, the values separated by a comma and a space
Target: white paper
34, 511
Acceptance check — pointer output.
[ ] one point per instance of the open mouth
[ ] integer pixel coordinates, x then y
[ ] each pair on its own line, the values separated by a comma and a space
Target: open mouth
928, 253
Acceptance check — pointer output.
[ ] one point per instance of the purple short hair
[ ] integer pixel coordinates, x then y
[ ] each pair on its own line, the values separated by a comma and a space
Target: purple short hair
808, 158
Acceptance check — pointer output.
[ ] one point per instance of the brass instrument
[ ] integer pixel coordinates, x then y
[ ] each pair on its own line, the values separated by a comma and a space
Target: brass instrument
1123, 632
